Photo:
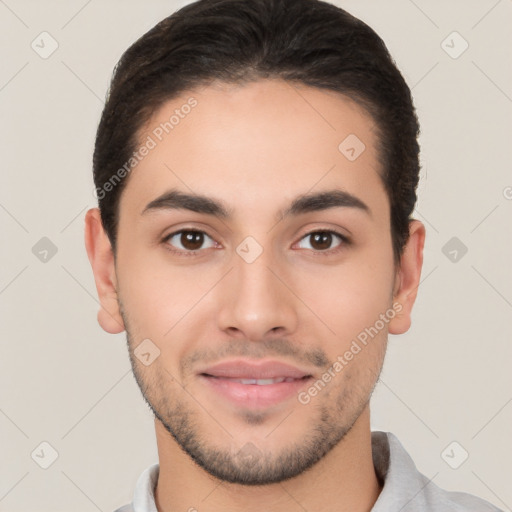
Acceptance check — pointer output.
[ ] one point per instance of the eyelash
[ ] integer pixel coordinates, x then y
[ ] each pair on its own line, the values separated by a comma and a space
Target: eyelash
344, 239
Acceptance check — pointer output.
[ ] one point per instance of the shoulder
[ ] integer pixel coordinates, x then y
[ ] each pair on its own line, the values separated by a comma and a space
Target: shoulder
144, 494
408, 490
125, 508
436, 498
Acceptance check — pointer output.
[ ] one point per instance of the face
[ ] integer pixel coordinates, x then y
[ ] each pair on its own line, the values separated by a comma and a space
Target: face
257, 273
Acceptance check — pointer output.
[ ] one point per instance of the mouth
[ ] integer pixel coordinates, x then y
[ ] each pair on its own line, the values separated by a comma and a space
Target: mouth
250, 385
254, 393
258, 382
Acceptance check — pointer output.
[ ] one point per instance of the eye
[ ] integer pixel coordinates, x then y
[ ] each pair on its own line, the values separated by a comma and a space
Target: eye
321, 240
187, 240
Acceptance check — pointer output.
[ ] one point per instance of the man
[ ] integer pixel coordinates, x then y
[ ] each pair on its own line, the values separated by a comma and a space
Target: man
256, 168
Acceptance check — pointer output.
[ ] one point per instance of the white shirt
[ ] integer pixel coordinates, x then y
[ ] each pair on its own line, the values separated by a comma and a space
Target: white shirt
405, 489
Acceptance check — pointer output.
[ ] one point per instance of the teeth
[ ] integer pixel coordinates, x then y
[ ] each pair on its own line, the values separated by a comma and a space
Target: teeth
258, 382
263, 382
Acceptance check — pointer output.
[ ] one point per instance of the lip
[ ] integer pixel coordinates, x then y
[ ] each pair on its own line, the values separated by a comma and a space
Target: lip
219, 380
243, 369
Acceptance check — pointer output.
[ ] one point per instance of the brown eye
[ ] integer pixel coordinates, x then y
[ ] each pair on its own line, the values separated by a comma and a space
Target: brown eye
188, 240
191, 240
323, 240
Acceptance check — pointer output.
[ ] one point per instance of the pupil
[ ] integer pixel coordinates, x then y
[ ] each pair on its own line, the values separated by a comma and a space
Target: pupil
192, 240
322, 239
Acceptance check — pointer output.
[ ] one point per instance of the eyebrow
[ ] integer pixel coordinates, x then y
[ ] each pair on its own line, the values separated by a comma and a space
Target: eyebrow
178, 200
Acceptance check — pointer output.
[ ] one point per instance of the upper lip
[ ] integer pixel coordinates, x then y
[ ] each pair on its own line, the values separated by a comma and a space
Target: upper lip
243, 369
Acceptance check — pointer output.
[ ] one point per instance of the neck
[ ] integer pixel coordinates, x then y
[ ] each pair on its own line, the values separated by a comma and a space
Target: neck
344, 480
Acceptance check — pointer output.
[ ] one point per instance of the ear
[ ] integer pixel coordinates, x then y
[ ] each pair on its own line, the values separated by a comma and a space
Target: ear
101, 258
407, 278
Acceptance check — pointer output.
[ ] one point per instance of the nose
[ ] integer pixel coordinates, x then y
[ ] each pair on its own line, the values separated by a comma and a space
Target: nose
256, 301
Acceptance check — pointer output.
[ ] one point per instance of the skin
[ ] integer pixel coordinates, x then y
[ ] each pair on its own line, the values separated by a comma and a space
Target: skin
256, 148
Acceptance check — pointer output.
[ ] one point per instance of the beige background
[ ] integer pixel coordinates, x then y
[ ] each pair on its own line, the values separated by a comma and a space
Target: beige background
65, 382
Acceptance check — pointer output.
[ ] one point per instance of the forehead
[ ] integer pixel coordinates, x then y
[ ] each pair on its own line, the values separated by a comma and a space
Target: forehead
256, 145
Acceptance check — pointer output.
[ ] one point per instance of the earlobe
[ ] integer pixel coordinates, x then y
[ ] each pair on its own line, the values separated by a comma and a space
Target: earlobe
101, 257
407, 279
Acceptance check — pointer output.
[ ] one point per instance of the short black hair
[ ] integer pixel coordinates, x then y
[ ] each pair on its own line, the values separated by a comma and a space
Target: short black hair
309, 42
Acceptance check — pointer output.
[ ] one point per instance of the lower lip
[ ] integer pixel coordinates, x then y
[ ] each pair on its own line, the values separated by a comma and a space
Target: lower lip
254, 395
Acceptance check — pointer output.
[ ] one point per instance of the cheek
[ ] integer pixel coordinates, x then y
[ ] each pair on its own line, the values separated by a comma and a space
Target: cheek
347, 298
158, 295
